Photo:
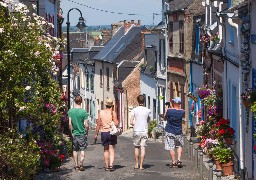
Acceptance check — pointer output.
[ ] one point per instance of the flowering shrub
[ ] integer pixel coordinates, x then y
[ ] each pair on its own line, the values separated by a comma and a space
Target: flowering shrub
203, 92
29, 59
49, 156
19, 154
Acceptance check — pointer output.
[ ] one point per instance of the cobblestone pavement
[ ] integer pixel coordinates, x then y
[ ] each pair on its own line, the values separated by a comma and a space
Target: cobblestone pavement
156, 162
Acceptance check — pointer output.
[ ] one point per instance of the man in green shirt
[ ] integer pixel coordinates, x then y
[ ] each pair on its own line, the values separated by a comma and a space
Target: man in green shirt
78, 125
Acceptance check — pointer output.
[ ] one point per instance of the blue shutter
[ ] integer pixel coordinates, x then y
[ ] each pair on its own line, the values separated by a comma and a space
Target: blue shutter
197, 39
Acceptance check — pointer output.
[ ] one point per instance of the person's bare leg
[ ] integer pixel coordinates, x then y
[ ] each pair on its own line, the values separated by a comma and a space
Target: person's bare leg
172, 154
142, 156
75, 156
81, 158
111, 155
106, 156
136, 154
179, 152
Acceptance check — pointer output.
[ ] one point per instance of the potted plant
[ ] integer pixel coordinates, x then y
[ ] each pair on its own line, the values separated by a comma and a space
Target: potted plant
203, 92
151, 126
223, 158
225, 131
143, 67
249, 97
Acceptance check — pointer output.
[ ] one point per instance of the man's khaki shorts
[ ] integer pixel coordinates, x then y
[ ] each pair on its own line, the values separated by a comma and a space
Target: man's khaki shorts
140, 139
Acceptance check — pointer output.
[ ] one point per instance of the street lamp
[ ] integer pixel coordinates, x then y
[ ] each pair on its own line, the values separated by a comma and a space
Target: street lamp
80, 25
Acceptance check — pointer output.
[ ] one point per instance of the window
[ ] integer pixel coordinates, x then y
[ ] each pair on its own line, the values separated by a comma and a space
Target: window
163, 94
231, 34
87, 106
115, 73
160, 52
87, 81
154, 108
149, 102
78, 82
175, 17
164, 44
101, 103
145, 99
181, 36
171, 36
101, 78
92, 82
107, 71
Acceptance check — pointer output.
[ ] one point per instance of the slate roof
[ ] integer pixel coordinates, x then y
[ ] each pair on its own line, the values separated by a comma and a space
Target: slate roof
177, 5
120, 45
112, 42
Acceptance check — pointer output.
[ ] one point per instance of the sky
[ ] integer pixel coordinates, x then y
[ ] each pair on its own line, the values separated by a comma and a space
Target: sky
143, 9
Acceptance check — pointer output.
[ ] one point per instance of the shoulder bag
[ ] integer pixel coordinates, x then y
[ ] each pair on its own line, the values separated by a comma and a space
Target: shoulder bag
114, 130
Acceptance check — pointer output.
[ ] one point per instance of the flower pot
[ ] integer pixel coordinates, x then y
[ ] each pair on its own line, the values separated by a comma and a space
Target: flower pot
227, 168
246, 104
218, 166
228, 141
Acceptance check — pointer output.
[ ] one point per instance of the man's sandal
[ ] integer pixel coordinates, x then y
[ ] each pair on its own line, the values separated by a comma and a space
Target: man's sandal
106, 168
179, 164
81, 168
111, 168
172, 165
76, 168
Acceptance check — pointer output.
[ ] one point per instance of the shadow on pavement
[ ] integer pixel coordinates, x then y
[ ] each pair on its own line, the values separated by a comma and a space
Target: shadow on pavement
118, 166
175, 167
146, 166
89, 167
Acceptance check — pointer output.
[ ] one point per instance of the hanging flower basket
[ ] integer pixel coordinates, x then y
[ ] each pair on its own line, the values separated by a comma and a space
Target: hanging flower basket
247, 104
248, 97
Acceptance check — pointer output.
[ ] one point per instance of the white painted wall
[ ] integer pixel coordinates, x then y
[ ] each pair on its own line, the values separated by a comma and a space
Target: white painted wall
101, 92
149, 88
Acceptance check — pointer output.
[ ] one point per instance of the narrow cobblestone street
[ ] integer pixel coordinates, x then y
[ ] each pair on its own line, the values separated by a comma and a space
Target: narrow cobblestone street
155, 164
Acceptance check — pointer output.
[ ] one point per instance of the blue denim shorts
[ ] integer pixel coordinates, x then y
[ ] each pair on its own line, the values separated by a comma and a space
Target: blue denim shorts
79, 143
108, 139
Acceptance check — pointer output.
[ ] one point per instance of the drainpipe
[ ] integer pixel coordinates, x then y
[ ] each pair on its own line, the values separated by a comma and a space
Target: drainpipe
191, 101
166, 52
241, 124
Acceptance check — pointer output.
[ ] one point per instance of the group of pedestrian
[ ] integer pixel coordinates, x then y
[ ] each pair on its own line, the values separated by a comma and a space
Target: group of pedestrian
140, 117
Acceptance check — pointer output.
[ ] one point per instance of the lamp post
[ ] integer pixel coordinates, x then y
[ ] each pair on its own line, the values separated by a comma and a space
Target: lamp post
80, 25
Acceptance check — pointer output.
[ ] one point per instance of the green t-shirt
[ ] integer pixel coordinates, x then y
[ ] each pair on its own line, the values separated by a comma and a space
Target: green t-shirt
78, 116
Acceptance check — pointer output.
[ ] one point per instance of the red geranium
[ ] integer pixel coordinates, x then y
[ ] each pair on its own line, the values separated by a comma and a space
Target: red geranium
231, 131
221, 132
223, 122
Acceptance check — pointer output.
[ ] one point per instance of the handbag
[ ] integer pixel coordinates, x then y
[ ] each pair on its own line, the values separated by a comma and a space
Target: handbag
114, 130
